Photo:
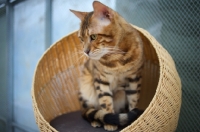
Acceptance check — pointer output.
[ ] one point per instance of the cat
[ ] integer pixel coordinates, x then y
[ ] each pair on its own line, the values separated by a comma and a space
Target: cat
111, 78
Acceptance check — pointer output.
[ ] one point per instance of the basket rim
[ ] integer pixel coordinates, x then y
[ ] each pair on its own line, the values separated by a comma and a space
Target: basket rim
35, 106
142, 31
148, 108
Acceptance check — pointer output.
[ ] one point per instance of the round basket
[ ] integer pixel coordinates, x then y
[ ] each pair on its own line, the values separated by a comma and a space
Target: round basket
55, 86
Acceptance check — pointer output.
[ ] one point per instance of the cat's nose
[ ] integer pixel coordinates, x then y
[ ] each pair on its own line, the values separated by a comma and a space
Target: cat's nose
87, 51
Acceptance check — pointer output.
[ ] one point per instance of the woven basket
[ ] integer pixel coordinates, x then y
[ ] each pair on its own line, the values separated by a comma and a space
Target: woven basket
55, 86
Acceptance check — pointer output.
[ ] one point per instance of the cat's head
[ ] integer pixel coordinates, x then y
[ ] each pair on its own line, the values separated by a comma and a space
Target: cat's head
98, 31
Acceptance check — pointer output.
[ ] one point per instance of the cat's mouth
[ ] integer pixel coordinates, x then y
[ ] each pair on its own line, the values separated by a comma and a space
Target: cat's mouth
97, 54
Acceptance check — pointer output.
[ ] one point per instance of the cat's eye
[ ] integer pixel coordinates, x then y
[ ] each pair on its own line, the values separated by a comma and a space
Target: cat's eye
93, 37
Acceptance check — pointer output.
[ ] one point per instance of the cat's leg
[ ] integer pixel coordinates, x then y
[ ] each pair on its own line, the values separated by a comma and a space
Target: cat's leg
105, 98
133, 90
120, 101
88, 97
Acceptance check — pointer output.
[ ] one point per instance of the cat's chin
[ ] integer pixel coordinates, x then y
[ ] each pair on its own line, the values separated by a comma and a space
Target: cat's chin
95, 58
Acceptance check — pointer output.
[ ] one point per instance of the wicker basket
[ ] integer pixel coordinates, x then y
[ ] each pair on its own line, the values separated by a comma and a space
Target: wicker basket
55, 86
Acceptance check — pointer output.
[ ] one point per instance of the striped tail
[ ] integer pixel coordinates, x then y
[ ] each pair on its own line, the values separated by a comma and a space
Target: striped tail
122, 119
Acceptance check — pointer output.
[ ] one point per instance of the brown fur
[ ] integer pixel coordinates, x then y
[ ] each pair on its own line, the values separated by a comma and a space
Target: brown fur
111, 78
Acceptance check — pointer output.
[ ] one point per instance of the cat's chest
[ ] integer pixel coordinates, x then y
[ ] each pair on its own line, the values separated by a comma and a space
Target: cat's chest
116, 80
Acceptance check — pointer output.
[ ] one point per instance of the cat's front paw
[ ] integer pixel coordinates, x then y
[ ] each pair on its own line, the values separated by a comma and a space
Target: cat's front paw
110, 127
95, 124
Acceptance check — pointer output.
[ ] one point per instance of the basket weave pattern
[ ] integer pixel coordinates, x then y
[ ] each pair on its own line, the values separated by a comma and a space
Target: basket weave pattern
55, 86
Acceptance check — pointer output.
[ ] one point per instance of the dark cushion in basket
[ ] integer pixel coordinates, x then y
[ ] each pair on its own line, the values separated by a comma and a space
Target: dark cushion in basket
73, 122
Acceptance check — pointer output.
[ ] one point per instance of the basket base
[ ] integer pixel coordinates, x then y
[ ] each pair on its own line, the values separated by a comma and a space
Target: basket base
73, 122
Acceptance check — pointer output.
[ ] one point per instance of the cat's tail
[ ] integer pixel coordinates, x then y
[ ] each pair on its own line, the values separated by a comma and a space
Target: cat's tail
121, 119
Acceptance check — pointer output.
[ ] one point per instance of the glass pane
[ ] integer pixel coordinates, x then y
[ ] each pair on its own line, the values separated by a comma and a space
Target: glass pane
29, 43
3, 70
176, 25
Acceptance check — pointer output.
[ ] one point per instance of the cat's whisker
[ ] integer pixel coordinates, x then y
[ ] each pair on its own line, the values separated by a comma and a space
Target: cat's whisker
113, 48
107, 51
81, 57
76, 54
96, 52
85, 54
116, 51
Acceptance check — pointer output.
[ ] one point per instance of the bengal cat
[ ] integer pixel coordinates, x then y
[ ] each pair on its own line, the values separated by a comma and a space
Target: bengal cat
111, 77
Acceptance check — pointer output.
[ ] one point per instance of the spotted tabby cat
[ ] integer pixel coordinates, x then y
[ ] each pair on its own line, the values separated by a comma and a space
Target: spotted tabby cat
111, 78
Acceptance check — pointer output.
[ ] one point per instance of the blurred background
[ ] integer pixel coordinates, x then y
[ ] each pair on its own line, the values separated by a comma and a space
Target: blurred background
29, 27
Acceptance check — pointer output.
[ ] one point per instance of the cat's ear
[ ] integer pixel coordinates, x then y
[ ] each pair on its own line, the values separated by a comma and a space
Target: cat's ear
102, 11
79, 14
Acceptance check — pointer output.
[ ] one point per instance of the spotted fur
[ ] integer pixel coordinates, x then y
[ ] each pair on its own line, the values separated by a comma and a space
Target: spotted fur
111, 78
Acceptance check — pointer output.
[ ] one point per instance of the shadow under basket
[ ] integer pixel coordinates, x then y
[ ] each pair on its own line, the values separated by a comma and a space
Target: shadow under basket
55, 88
